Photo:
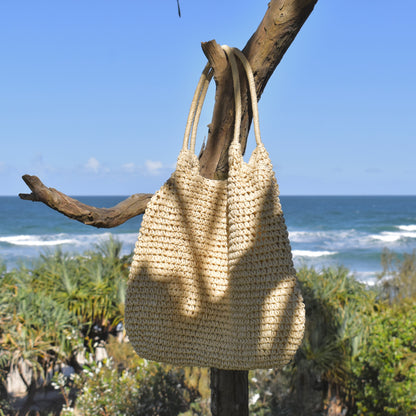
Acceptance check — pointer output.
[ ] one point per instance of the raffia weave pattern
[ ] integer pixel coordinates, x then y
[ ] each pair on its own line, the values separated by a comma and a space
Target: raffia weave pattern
212, 282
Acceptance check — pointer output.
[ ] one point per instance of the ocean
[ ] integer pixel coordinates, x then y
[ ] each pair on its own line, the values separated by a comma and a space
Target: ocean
323, 230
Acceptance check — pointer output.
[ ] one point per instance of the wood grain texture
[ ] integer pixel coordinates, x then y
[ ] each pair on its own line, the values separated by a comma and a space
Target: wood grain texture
229, 393
264, 50
89, 215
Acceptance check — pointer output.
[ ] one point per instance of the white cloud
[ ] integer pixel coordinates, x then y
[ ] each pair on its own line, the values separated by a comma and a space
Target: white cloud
2, 166
92, 165
129, 167
150, 167
153, 167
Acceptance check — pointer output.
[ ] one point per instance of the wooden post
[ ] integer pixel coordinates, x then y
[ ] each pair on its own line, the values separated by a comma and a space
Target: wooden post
229, 392
229, 389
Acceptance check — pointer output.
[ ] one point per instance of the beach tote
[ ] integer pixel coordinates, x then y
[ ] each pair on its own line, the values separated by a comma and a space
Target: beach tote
212, 282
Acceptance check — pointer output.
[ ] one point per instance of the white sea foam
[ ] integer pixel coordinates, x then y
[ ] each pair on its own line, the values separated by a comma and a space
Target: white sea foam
369, 278
394, 236
78, 241
310, 253
326, 243
301, 236
35, 240
309, 236
321, 236
387, 236
411, 227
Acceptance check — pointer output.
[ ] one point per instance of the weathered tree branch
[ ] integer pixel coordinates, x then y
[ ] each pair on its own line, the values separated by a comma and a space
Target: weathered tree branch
97, 217
223, 111
264, 50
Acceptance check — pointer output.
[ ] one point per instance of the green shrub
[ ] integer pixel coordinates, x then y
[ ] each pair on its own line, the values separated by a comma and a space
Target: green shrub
385, 370
149, 389
359, 345
338, 308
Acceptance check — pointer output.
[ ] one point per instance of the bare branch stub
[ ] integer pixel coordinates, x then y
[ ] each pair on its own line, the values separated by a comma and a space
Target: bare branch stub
89, 215
264, 50
223, 113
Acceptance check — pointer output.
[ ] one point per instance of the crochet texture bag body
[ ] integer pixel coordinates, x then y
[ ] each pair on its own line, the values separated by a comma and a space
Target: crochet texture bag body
212, 282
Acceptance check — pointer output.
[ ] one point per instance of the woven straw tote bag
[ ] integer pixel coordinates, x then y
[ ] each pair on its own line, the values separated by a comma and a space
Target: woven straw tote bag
212, 282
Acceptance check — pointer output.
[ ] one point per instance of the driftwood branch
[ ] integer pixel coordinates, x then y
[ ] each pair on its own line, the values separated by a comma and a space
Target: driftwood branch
223, 113
97, 217
264, 50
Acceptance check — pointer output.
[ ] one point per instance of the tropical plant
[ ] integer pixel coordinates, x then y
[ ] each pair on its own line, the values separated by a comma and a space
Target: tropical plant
358, 348
147, 389
90, 286
6, 408
398, 277
35, 328
385, 370
37, 334
338, 308
51, 312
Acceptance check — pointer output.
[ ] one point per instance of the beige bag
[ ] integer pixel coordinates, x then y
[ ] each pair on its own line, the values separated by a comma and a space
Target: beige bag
212, 283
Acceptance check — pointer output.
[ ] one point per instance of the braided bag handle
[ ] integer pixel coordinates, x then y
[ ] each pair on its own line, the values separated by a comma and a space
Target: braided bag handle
201, 91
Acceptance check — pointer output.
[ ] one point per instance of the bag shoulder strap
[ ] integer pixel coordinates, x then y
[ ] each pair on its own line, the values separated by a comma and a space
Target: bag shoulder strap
253, 94
198, 99
201, 91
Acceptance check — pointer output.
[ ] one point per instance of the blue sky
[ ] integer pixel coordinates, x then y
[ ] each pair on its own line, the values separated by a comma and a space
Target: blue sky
94, 95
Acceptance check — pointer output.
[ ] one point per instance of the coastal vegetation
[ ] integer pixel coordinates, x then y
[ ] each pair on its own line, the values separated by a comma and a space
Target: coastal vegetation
62, 336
